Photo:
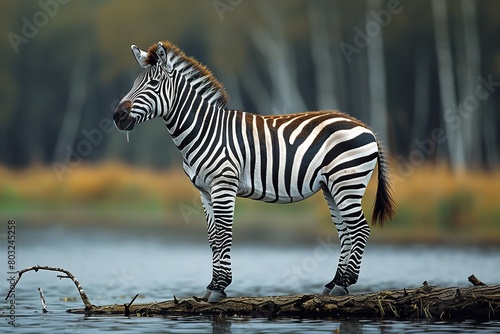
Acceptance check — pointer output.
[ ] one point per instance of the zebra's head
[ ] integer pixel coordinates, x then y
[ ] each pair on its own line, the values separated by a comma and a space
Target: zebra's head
148, 97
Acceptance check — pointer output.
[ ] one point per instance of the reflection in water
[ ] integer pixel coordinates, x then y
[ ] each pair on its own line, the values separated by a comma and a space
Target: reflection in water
221, 325
350, 327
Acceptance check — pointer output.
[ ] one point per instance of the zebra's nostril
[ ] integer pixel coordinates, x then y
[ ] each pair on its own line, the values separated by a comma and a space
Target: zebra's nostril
122, 111
119, 115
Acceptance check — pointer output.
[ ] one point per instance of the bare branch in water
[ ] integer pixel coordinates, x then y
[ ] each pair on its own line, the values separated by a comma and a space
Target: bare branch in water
42, 299
83, 295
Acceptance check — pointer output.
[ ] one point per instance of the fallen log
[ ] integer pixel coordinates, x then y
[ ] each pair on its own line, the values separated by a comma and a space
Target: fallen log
480, 302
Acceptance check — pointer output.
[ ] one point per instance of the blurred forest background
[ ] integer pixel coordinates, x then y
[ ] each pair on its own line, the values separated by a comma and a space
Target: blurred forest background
425, 75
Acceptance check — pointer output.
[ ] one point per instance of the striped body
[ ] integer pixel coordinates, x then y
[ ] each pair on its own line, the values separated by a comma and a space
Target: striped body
277, 159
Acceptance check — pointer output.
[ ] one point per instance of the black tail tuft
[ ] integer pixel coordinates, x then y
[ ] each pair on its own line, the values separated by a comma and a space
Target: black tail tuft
384, 203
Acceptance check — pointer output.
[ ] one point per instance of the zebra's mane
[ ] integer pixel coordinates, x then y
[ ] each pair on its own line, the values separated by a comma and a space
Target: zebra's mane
195, 72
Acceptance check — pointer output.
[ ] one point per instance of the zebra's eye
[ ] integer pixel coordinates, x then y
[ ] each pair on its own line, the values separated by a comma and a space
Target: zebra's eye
154, 82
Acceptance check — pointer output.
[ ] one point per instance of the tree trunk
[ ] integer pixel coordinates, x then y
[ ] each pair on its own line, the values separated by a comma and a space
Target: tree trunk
489, 131
322, 57
376, 77
426, 302
255, 90
452, 123
468, 73
421, 112
280, 61
76, 99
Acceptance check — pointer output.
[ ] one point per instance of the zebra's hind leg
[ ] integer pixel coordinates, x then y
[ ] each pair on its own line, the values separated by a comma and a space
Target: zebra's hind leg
345, 244
344, 201
359, 231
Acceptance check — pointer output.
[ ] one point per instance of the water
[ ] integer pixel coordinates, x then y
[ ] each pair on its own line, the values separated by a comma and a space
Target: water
114, 266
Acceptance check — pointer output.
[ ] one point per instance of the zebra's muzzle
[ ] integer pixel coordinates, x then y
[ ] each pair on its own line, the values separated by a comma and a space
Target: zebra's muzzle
122, 118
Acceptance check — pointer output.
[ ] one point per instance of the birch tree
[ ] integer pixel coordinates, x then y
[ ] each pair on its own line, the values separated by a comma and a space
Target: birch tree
76, 98
280, 62
470, 107
322, 56
376, 77
452, 124
421, 95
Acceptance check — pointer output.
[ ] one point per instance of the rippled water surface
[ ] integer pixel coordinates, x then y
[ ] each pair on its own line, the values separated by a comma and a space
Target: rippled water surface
113, 267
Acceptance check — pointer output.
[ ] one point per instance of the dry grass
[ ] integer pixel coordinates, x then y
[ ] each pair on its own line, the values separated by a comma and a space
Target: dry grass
435, 204
109, 181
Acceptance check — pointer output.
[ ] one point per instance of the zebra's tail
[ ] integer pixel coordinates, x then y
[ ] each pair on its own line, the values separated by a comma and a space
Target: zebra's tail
384, 203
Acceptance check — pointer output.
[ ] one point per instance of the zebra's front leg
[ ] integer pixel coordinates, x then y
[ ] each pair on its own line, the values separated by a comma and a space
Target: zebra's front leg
209, 216
222, 200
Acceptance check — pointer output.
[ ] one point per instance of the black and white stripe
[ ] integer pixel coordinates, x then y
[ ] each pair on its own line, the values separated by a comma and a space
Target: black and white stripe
278, 159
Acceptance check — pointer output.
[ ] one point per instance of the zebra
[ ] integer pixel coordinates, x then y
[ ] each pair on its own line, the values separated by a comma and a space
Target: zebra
278, 159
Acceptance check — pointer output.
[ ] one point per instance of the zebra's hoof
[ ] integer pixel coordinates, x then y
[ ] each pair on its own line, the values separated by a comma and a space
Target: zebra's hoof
326, 291
206, 295
216, 296
339, 290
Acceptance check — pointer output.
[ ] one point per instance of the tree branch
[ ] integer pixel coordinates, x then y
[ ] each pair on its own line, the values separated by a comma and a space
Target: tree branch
475, 281
83, 295
42, 300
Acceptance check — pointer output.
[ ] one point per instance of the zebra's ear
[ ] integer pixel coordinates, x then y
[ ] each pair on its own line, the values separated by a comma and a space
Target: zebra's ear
140, 56
162, 56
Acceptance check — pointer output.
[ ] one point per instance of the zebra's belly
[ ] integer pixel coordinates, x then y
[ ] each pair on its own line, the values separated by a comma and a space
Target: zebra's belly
276, 193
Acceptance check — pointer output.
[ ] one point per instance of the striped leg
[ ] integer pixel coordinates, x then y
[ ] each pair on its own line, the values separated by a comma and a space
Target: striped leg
359, 231
209, 216
220, 238
344, 200
345, 242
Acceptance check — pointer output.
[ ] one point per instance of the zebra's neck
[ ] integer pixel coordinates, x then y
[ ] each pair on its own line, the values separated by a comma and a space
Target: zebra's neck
192, 119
